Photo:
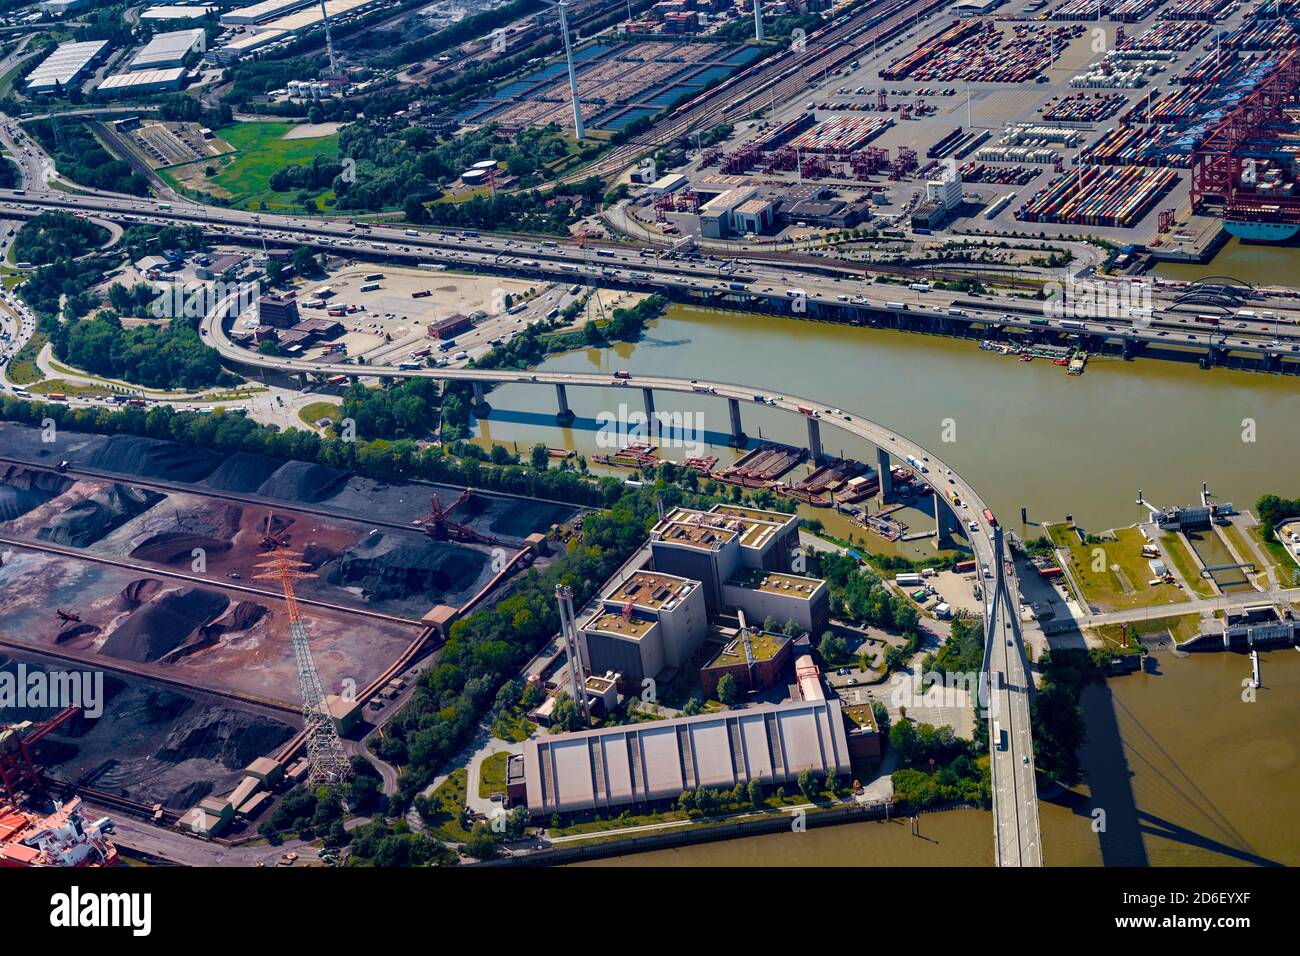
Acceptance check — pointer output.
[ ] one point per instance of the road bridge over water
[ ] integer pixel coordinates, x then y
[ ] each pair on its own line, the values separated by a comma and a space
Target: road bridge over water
1006, 668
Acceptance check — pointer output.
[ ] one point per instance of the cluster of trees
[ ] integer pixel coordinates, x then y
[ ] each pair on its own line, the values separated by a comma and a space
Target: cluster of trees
142, 240
407, 410
860, 595
319, 175
959, 774
779, 30
1057, 717
167, 356
522, 212
487, 648
9, 176
532, 345
136, 300
1271, 510
385, 844
79, 156
310, 813
64, 285
187, 109
57, 235
962, 652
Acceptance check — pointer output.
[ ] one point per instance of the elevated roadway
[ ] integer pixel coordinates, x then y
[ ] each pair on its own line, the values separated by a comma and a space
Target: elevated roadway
822, 288
1017, 835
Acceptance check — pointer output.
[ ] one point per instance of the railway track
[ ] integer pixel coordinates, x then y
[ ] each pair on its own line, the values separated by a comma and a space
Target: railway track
823, 50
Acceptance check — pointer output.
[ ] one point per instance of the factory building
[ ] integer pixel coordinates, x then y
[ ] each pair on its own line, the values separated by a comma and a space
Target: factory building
646, 623
260, 12
168, 50
450, 327
66, 64
235, 50
786, 597
142, 81
717, 216
60, 8
753, 658
710, 546
176, 13
644, 763
277, 311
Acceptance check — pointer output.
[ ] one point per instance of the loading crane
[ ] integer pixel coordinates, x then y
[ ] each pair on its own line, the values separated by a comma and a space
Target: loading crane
439, 525
17, 741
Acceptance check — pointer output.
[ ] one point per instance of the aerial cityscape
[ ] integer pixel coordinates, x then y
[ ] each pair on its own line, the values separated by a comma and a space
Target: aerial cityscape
650, 433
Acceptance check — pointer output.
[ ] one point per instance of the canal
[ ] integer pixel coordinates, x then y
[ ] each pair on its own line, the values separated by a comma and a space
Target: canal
1184, 770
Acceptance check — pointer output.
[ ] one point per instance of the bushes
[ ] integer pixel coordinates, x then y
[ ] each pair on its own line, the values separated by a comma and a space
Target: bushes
57, 235
79, 156
171, 356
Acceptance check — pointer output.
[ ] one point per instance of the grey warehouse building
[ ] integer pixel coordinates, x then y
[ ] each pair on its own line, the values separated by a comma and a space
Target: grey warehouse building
642, 763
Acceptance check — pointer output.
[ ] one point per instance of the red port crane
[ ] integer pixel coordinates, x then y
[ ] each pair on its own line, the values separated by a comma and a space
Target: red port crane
439, 526
16, 765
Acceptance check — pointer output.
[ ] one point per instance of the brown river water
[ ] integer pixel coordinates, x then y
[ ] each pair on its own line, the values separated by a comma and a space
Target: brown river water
1184, 770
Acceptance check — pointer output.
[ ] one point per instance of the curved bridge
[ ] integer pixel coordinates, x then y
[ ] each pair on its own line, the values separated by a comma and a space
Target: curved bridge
1006, 669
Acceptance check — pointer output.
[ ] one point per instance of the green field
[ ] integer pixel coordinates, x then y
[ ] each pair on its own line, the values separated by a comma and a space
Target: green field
1122, 579
492, 774
243, 176
1176, 548
22, 368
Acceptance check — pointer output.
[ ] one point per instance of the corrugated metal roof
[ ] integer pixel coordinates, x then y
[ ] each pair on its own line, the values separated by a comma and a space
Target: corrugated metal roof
614, 766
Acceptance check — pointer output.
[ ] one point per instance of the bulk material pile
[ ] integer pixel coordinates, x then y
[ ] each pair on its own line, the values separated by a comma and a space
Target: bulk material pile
1099, 196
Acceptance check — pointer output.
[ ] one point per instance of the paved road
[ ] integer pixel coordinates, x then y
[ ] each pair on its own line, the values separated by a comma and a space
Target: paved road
1013, 775
811, 285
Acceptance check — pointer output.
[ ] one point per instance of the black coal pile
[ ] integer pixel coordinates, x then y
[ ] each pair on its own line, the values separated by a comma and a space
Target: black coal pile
392, 567
23, 489
136, 593
164, 624
302, 481
210, 530
243, 472
150, 458
106, 510
231, 738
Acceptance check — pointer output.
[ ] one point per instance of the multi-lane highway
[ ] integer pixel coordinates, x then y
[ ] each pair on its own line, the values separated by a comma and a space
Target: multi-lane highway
821, 287
1015, 794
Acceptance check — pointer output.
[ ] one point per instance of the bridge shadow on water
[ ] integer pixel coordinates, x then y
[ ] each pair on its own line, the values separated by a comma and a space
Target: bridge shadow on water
669, 434
1118, 747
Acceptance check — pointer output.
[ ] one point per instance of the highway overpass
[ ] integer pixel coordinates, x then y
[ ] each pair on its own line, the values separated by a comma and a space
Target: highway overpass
801, 286
1017, 835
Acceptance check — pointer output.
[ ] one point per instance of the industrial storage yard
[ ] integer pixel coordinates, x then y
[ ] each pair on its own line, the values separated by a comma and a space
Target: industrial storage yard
1076, 119
140, 557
